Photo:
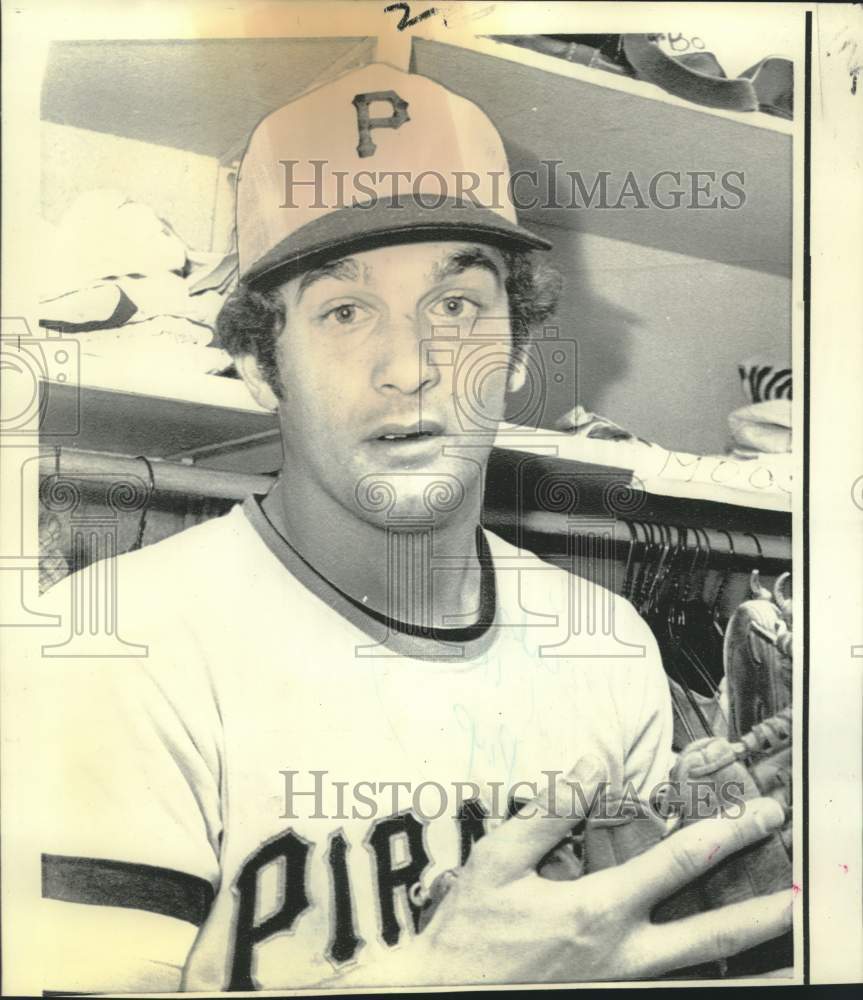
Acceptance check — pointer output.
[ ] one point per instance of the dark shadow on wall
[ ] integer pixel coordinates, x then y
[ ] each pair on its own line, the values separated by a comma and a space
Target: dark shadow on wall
582, 350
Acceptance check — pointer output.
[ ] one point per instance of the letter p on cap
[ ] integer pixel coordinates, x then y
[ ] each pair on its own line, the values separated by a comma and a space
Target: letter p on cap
365, 124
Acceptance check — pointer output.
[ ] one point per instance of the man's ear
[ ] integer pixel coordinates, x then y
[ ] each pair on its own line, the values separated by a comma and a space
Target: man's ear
258, 386
517, 370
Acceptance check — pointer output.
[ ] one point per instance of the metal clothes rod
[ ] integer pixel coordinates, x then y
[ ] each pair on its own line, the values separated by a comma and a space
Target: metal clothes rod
168, 477
740, 547
192, 480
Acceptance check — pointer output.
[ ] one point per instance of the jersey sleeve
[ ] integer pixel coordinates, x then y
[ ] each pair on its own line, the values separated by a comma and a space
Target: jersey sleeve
647, 713
127, 826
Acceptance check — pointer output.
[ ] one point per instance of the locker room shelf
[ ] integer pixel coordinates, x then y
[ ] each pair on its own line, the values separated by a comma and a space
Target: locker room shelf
161, 415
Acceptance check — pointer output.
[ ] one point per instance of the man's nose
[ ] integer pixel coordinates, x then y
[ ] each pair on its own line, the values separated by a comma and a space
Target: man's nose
405, 362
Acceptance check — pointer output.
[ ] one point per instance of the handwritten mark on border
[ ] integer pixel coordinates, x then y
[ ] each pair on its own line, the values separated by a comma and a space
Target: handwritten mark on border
407, 21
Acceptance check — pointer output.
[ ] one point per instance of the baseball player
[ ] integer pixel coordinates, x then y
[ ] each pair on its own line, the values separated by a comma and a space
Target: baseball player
350, 686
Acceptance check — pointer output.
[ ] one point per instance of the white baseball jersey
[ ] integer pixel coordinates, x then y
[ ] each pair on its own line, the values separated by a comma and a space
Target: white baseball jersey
251, 803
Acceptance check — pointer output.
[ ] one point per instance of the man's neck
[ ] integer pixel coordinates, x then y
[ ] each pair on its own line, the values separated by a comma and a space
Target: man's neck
424, 574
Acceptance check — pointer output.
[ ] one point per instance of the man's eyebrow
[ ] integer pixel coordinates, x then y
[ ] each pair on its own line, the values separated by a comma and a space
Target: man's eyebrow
343, 269
462, 260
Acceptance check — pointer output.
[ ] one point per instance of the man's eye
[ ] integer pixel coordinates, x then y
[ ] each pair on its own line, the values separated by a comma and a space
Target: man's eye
344, 315
455, 306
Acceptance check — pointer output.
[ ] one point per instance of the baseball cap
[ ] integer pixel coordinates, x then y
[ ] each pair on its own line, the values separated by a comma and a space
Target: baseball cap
376, 153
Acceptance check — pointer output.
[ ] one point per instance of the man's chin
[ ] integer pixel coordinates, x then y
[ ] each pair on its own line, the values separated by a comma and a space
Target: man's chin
432, 483
406, 454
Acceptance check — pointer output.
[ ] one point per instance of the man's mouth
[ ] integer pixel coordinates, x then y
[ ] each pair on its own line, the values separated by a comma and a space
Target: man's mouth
394, 433
412, 436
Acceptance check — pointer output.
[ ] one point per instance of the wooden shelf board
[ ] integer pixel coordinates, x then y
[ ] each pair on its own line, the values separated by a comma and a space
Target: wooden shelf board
149, 412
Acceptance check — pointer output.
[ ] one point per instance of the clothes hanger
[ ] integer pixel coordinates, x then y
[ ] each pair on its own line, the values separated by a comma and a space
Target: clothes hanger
669, 617
710, 652
755, 574
684, 629
142, 521
648, 566
664, 584
626, 586
641, 568
720, 590
660, 568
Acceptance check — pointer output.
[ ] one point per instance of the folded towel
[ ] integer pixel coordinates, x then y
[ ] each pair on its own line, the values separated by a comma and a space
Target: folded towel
764, 427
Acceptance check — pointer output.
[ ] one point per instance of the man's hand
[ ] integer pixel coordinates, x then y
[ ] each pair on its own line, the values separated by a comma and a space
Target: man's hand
501, 922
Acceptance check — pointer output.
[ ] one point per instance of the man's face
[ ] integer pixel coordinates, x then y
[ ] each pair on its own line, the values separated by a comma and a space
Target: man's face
394, 365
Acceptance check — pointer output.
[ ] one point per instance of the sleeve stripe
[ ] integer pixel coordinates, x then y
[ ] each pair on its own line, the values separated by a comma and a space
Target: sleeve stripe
99, 882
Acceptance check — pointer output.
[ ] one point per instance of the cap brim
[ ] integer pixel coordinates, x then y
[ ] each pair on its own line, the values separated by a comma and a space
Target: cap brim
382, 222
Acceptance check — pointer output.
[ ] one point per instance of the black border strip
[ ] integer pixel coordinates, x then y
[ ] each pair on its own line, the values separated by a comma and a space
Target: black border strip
807, 309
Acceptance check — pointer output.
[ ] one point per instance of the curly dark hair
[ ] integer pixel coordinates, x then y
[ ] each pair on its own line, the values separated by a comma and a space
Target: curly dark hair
251, 319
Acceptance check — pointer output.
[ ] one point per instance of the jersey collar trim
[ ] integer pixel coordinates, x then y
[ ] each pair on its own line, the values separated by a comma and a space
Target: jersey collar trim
450, 644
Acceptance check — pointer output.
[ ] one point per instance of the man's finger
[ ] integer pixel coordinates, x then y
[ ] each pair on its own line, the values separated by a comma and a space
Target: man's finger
707, 937
518, 845
695, 849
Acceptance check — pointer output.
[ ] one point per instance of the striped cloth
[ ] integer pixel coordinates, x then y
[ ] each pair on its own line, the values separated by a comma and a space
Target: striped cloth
764, 380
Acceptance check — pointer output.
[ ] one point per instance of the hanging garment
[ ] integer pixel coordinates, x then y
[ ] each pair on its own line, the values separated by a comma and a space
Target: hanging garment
758, 661
707, 717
